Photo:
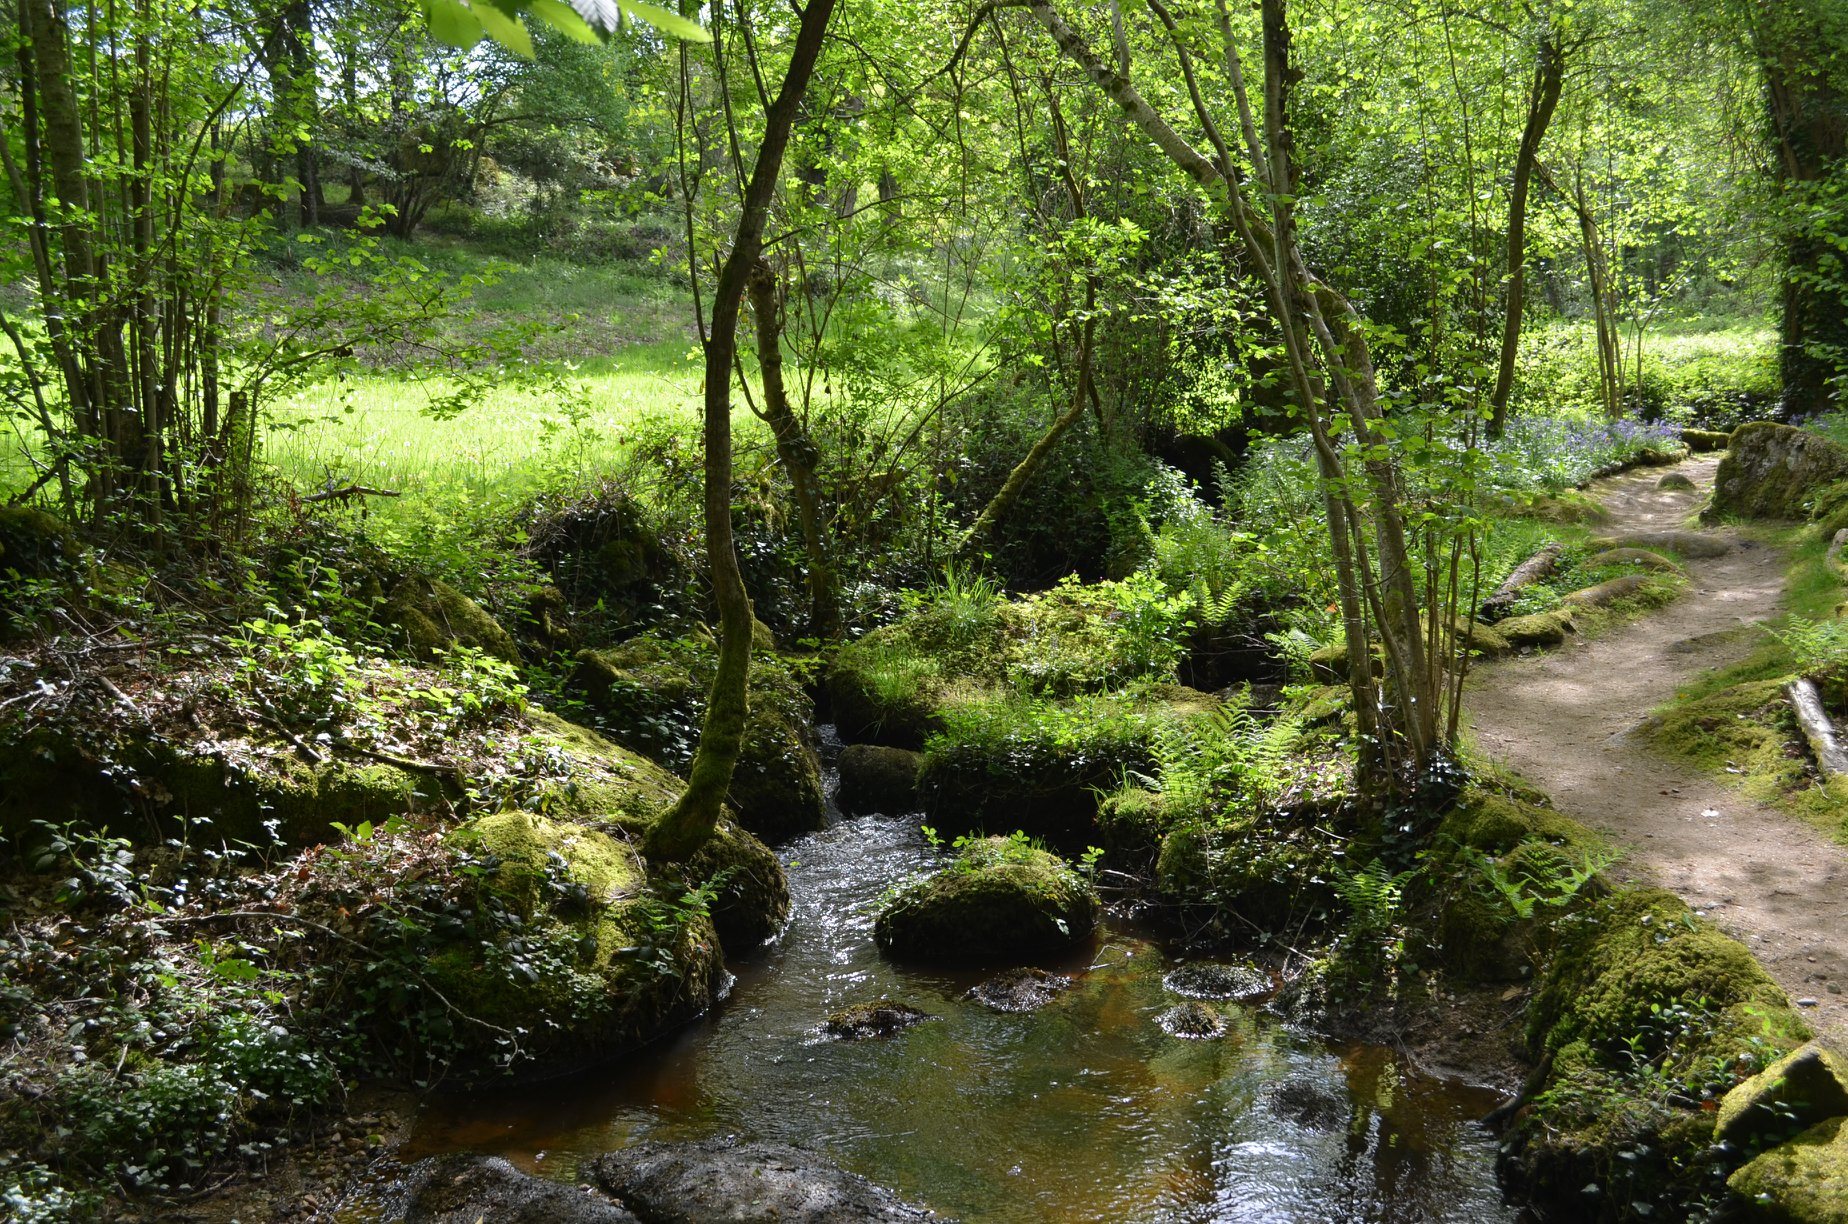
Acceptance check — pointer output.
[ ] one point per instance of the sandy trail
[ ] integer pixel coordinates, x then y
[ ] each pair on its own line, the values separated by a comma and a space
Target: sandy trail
1564, 719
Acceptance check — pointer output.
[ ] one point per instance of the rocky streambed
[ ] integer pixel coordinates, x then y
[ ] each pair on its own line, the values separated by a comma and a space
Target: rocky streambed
1116, 1083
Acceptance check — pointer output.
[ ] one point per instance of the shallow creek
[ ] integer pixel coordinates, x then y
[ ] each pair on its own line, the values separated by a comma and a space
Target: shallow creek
1083, 1111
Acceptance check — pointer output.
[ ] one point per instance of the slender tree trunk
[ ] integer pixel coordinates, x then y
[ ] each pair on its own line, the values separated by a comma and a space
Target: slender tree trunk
687, 826
796, 451
1549, 78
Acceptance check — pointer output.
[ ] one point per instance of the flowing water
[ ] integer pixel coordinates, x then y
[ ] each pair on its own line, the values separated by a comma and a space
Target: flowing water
1083, 1111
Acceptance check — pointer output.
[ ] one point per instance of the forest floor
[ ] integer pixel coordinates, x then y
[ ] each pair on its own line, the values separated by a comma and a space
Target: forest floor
1568, 721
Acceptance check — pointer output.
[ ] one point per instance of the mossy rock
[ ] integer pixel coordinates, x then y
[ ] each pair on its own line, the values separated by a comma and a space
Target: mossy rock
1642, 949
1807, 1086
255, 789
1479, 939
33, 545
1538, 629
1043, 765
877, 778
1773, 471
1567, 508
879, 1018
1675, 482
1330, 664
1642, 558
1237, 869
1326, 703
1749, 727
604, 963
1705, 441
1496, 824
1130, 824
650, 695
436, 617
1803, 1181
1001, 900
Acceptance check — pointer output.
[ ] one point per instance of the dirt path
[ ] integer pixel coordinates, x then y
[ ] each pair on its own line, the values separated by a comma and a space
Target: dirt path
1564, 720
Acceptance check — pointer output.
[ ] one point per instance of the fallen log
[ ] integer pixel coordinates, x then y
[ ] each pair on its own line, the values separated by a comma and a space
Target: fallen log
1540, 565
1818, 728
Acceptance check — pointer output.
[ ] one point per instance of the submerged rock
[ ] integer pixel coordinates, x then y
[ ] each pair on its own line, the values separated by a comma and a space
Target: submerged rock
1216, 980
878, 778
1020, 990
880, 1018
1804, 1181
1192, 1020
1002, 898
1771, 471
470, 1189
1807, 1086
722, 1181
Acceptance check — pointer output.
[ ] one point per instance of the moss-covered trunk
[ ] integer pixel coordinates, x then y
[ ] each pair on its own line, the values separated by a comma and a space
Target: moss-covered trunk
685, 828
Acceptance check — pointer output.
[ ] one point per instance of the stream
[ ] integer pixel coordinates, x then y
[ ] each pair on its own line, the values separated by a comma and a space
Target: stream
1083, 1111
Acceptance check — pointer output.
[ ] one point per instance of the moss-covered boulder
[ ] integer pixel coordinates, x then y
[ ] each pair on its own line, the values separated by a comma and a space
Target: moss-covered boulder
1570, 507
1538, 629
1803, 1181
1637, 992
1001, 899
1221, 873
1675, 482
33, 545
435, 617
1829, 507
878, 778
1705, 441
649, 695
1773, 471
1331, 665
1003, 761
142, 782
1806, 1086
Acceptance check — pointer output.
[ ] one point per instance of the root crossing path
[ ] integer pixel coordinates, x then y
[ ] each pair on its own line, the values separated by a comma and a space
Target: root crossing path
1567, 720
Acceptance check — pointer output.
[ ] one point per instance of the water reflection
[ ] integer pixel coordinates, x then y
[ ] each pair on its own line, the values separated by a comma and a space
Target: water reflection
1084, 1110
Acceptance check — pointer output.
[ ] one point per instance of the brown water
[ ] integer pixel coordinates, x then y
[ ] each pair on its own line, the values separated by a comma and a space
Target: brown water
1083, 1111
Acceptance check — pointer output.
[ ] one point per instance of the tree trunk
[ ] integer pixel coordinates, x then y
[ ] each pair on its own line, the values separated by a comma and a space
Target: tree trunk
796, 451
1806, 94
1549, 78
686, 827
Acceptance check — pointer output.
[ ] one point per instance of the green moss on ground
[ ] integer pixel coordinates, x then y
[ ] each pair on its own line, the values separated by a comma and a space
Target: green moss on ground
1000, 899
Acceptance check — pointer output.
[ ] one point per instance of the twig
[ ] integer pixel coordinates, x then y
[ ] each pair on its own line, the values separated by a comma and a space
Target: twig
349, 492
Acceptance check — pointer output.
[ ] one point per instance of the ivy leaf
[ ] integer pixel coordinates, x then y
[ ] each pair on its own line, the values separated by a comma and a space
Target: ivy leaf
665, 20
452, 22
504, 27
563, 18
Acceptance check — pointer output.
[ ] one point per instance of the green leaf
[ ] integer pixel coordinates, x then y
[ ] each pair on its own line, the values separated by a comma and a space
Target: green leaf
452, 22
563, 18
504, 27
666, 21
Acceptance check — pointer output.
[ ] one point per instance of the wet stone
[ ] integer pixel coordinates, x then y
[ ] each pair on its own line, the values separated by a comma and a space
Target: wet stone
1020, 990
1216, 980
1192, 1020
880, 1018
